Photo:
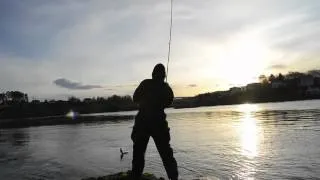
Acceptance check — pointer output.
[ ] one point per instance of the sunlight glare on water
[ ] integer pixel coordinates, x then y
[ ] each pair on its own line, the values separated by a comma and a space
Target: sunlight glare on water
248, 108
249, 138
249, 131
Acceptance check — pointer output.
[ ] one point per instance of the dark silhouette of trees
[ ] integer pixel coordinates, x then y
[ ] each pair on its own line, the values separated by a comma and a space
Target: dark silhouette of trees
294, 75
13, 97
16, 97
73, 100
287, 87
2, 98
280, 77
314, 73
263, 79
19, 108
271, 78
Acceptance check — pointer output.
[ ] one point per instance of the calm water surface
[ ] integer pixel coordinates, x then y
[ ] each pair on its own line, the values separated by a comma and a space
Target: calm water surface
261, 141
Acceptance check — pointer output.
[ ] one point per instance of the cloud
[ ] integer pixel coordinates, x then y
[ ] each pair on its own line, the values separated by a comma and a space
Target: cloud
126, 85
192, 85
277, 66
109, 89
119, 42
65, 83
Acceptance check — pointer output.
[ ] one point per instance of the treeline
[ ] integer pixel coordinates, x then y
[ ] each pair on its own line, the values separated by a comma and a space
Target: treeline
36, 108
13, 97
272, 88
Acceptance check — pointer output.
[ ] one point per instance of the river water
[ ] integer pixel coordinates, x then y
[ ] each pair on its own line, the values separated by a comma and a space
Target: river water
249, 141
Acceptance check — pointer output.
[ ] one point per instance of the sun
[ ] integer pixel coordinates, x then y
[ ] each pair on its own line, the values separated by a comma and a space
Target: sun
232, 62
243, 59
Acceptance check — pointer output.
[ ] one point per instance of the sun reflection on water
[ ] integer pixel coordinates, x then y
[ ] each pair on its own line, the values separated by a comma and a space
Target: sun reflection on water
248, 108
249, 131
249, 136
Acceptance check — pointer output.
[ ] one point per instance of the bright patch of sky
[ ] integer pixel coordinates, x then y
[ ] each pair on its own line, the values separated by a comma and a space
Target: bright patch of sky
54, 49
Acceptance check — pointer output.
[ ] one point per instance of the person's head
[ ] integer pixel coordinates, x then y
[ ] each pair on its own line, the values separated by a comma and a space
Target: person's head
159, 72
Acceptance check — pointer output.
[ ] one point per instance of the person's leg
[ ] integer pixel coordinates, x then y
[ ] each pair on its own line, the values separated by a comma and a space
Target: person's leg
140, 141
162, 138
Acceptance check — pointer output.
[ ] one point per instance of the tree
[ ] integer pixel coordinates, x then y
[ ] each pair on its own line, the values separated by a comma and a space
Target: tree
271, 78
2, 98
263, 79
101, 99
294, 75
26, 99
87, 100
314, 73
35, 101
16, 96
73, 99
280, 77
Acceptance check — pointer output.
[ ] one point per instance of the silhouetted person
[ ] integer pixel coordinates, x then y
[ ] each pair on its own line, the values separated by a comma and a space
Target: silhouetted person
153, 96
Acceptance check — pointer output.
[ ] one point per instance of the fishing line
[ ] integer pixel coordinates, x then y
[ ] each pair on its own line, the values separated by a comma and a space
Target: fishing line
170, 37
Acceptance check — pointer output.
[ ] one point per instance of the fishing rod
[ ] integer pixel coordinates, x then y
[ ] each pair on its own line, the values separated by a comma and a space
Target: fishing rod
170, 37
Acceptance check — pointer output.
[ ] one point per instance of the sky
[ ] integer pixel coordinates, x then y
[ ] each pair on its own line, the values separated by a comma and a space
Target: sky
55, 49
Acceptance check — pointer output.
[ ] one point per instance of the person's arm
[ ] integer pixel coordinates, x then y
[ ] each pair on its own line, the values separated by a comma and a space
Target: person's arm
138, 92
170, 96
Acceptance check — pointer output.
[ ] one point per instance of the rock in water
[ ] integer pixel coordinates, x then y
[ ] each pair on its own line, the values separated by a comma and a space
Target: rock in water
124, 176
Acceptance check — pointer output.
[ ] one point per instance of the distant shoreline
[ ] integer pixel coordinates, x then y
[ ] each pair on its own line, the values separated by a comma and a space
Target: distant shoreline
186, 106
87, 118
294, 86
59, 120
